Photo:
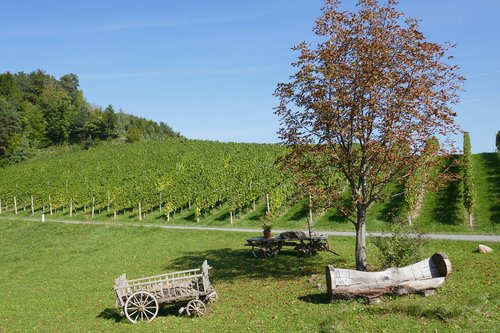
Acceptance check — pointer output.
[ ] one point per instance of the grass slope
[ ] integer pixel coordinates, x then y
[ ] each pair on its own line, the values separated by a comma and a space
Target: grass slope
442, 211
58, 278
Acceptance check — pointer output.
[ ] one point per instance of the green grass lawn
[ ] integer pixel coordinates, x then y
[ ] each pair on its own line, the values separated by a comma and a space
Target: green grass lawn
59, 278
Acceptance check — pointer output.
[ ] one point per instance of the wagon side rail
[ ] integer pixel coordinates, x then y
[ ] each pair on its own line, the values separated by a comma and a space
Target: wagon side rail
166, 287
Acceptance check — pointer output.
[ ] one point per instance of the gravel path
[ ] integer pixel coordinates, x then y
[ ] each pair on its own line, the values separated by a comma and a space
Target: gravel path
465, 237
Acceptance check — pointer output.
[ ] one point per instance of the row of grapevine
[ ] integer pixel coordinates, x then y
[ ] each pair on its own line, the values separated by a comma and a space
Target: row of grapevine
167, 175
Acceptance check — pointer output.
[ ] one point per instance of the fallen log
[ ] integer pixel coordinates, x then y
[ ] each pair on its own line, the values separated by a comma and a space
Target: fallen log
427, 274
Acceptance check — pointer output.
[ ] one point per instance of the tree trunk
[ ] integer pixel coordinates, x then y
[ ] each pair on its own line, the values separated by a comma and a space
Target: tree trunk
361, 237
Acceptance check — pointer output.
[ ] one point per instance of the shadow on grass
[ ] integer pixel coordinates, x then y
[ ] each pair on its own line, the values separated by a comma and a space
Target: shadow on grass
437, 312
448, 201
171, 309
392, 207
111, 314
491, 162
229, 264
322, 298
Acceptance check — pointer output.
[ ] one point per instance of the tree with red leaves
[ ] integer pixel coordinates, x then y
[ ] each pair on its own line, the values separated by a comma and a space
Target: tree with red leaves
363, 104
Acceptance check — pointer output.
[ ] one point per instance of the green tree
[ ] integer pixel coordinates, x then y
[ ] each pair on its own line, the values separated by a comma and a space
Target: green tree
109, 123
469, 187
10, 125
9, 89
70, 84
366, 100
59, 113
34, 125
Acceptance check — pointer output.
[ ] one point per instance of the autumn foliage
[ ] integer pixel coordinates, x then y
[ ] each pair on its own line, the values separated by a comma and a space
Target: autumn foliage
363, 104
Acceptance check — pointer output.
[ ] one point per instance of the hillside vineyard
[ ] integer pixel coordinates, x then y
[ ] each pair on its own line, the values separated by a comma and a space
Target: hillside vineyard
164, 175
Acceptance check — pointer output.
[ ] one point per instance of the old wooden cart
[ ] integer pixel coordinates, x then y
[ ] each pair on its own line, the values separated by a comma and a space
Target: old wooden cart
140, 298
305, 246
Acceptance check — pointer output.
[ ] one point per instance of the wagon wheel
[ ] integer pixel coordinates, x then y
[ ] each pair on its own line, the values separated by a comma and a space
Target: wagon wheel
262, 251
304, 250
196, 308
141, 305
325, 245
212, 297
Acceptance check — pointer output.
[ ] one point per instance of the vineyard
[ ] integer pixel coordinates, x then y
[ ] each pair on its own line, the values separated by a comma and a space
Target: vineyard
181, 180
163, 176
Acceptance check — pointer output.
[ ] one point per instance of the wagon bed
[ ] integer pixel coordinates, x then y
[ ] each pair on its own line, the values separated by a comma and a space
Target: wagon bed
140, 298
305, 246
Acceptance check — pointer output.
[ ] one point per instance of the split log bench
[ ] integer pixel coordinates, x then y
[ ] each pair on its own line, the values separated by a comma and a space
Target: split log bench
425, 275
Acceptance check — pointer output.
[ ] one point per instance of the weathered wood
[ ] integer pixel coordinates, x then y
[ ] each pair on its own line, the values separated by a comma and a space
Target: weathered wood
305, 246
425, 275
182, 286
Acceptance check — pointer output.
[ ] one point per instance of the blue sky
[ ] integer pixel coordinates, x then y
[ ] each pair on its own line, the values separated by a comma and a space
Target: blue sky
209, 68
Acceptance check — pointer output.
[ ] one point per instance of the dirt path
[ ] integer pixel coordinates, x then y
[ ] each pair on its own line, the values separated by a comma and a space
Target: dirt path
463, 237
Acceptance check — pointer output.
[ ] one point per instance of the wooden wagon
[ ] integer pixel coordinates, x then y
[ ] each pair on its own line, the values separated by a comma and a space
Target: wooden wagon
304, 245
140, 298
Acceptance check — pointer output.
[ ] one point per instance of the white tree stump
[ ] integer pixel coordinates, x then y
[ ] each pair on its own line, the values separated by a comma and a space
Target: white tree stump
484, 249
427, 274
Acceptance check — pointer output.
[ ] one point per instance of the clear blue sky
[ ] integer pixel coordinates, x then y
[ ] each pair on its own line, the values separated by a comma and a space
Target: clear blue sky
209, 68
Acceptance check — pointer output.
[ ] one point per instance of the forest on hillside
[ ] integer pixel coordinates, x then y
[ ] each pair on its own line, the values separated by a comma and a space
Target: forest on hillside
38, 111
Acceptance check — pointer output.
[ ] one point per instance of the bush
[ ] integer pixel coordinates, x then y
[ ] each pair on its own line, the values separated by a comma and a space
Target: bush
401, 246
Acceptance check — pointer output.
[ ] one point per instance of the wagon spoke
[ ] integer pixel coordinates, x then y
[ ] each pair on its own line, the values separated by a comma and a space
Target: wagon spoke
141, 305
152, 301
196, 308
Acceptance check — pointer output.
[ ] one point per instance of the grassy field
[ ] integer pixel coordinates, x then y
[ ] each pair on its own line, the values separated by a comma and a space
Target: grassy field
59, 278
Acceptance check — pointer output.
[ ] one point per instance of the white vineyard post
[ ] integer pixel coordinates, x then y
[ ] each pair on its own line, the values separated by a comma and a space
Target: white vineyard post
50, 205
71, 207
140, 211
15, 205
267, 202
32, 206
93, 206
0, 206
231, 216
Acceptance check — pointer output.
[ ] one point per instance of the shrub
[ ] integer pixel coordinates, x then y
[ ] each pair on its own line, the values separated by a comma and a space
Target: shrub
401, 246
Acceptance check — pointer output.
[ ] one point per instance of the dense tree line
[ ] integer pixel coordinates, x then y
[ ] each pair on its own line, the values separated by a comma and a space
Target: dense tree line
37, 111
